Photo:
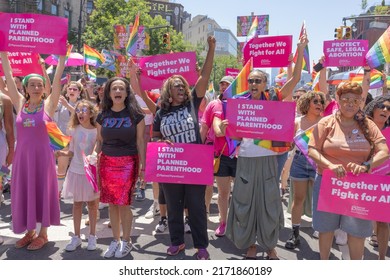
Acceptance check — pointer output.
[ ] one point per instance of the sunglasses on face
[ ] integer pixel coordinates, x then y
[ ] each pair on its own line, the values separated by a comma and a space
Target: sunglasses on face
296, 97
383, 106
73, 89
256, 81
351, 100
317, 101
82, 110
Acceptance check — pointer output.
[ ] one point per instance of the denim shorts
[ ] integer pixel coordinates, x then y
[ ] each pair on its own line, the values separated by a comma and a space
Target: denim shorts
227, 167
327, 222
301, 169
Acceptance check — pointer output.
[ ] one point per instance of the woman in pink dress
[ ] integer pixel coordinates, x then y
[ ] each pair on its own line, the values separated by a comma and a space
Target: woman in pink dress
34, 182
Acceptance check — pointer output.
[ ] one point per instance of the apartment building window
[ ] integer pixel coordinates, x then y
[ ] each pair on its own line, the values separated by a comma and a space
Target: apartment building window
40, 5
54, 9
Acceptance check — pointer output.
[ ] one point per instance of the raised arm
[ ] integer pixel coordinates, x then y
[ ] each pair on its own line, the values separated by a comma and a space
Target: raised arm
52, 101
46, 76
289, 86
9, 128
322, 83
203, 80
17, 99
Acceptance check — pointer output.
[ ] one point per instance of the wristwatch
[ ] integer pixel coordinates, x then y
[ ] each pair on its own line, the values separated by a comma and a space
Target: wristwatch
367, 164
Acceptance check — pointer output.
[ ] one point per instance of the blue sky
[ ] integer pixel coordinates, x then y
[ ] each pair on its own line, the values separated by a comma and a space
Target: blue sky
286, 16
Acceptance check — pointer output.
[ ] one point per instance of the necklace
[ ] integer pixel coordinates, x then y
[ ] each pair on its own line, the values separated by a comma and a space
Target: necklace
32, 111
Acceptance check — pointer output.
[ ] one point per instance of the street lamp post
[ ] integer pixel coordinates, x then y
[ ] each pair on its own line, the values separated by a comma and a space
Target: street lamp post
79, 27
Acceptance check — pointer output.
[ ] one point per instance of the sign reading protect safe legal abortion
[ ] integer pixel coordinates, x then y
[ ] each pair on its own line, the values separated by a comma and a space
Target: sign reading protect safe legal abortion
179, 163
366, 196
267, 120
345, 52
157, 68
268, 51
33, 33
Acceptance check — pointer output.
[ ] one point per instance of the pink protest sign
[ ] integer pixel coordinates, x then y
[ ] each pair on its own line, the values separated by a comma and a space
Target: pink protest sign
177, 164
260, 119
232, 72
366, 196
268, 51
157, 68
384, 168
23, 64
33, 33
345, 52
90, 173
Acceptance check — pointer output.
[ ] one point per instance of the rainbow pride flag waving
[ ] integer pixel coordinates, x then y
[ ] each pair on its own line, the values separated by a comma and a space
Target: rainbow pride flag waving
240, 85
379, 54
131, 47
302, 143
58, 140
93, 57
306, 60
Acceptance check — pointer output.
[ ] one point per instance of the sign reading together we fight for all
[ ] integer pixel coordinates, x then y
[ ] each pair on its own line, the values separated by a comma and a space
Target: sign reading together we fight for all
177, 164
259, 119
23, 64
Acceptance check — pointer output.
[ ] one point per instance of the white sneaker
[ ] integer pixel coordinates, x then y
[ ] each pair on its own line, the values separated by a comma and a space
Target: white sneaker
110, 252
162, 225
73, 244
154, 210
316, 234
341, 237
102, 205
91, 243
124, 249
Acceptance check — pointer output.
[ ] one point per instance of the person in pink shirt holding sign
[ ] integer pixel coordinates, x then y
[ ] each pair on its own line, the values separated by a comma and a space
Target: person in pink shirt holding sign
379, 111
345, 142
179, 112
255, 212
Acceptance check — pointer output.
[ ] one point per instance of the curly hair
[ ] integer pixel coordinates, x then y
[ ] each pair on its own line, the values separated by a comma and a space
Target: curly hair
74, 120
360, 117
130, 102
303, 103
166, 92
80, 87
375, 103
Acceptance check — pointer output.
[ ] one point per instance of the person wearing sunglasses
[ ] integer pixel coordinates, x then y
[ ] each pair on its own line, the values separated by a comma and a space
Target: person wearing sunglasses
302, 173
345, 142
378, 110
255, 213
179, 112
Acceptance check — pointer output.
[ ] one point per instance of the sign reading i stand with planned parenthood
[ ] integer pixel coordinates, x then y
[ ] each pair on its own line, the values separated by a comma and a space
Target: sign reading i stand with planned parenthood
33, 33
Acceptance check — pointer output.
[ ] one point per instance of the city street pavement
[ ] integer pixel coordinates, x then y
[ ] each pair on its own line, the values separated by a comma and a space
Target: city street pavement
151, 246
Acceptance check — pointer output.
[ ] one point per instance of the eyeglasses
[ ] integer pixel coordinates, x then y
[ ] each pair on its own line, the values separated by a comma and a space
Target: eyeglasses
178, 86
383, 106
296, 97
73, 89
351, 100
256, 81
82, 110
316, 101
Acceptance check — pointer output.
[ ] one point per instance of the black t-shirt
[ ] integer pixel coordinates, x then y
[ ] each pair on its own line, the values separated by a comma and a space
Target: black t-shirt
180, 124
119, 133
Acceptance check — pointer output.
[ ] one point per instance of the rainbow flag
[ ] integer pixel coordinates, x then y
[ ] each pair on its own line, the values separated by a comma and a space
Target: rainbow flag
68, 51
375, 78
306, 60
90, 74
252, 33
131, 47
58, 140
211, 88
93, 57
379, 54
315, 84
240, 85
302, 143
281, 78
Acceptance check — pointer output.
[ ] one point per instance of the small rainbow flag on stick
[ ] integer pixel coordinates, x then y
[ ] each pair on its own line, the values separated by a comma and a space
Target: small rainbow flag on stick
302, 143
92, 56
306, 60
240, 85
131, 47
91, 75
379, 54
58, 140
252, 33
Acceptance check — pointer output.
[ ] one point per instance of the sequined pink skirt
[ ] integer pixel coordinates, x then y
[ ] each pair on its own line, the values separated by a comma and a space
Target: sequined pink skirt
118, 176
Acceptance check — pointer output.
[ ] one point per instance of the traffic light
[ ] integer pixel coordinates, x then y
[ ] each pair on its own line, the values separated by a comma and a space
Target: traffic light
166, 41
338, 33
348, 33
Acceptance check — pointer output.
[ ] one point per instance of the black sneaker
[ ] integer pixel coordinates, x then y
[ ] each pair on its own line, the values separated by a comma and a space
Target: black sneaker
293, 242
162, 225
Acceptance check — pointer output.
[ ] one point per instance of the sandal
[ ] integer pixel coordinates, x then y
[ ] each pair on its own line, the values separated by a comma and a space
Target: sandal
26, 240
37, 243
271, 255
373, 240
251, 253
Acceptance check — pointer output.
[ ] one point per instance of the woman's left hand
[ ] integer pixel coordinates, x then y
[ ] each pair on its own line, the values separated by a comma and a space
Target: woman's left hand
356, 169
141, 175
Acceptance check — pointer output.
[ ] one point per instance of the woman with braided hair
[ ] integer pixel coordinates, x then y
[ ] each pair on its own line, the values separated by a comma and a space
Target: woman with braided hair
346, 141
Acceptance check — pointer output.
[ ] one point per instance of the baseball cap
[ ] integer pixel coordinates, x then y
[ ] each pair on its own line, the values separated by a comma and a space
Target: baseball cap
227, 79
